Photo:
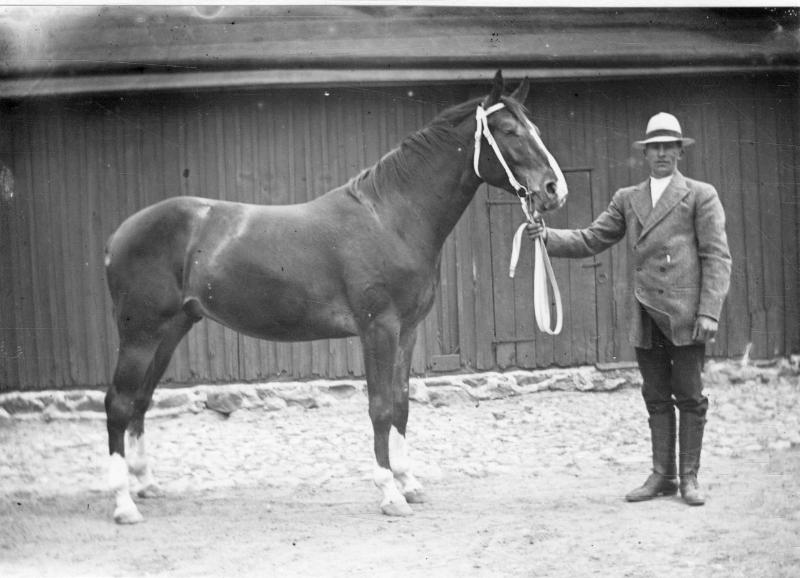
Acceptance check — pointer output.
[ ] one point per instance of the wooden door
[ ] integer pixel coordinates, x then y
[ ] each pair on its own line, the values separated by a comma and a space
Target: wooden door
517, 339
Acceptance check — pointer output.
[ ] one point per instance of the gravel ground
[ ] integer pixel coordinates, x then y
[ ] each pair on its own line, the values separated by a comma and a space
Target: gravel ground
548, 441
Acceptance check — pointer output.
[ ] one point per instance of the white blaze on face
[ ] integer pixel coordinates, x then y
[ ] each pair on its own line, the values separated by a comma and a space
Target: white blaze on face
561, 182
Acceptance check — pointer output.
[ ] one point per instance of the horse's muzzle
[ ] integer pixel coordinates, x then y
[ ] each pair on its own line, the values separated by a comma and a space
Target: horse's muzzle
552, 198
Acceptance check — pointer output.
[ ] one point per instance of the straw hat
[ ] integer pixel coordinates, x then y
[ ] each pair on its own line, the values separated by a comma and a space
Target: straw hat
663, 127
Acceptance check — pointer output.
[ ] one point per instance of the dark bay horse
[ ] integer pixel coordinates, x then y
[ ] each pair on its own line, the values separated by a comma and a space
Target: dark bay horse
362, 259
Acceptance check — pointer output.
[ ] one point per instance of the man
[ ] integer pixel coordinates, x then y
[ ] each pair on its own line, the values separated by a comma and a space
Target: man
679, 270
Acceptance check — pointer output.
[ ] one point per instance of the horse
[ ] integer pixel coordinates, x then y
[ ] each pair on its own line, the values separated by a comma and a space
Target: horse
360, 260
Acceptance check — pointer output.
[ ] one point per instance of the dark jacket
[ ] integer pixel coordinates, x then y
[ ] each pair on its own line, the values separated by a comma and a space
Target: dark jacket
679, 264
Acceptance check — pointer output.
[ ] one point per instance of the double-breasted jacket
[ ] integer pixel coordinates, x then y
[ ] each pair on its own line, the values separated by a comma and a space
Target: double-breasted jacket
679, 264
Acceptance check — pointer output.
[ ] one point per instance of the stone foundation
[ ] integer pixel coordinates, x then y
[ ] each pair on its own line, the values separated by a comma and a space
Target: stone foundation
449, 390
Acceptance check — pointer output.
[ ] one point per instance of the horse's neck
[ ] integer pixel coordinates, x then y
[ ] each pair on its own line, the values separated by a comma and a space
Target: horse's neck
429, 201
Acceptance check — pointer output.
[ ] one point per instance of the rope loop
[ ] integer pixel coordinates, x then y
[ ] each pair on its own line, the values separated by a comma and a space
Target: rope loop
543, 276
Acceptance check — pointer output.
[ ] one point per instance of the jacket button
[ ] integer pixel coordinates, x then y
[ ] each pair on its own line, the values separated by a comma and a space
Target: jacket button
638, 268
660, 291
662, 269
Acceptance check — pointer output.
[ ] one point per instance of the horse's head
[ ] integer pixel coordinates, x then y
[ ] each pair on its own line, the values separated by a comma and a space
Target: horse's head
509, 152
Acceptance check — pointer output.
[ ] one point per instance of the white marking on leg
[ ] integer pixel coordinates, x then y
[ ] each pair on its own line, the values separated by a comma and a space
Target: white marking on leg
393, 504
139, 466
135, 455
401, 467
125, 511
398, 452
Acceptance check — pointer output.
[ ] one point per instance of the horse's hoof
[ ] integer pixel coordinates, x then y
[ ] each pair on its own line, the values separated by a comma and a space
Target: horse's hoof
396, 508
415, 497
127, 516
150, 491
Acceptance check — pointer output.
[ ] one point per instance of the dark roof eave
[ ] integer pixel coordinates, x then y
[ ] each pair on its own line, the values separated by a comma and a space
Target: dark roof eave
549, 54
344, 75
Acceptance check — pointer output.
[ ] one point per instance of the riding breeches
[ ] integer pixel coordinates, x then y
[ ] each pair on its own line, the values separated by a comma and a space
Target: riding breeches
672, 375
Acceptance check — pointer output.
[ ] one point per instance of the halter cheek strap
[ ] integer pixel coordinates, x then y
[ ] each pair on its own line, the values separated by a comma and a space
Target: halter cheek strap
542, 266
482, 130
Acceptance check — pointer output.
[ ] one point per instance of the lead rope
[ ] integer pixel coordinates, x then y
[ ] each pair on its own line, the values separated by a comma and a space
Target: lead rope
543, 276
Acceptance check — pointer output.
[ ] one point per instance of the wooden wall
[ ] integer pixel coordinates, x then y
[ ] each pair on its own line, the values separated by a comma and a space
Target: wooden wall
747, 136
81, 165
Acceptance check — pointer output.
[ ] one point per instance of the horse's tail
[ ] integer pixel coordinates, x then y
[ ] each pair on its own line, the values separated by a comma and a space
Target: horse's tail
107, 251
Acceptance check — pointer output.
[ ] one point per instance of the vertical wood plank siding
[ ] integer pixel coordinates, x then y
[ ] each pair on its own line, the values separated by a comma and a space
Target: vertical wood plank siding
71, 169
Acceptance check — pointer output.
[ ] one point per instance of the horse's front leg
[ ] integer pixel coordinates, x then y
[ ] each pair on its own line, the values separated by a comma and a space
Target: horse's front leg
400, 462
384, 361
139, 466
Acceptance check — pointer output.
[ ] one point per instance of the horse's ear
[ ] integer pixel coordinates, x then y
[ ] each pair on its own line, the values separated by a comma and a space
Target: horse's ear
521, 93
497, 90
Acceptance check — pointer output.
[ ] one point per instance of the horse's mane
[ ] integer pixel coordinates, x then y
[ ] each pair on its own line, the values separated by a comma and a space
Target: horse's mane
413, 155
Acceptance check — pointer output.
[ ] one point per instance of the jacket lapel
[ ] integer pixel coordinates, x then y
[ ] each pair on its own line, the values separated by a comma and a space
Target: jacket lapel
641, 201
672, 195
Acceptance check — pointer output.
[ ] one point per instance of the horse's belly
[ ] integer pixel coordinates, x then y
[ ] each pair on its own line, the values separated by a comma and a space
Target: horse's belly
280, 328
273, 308
278, 323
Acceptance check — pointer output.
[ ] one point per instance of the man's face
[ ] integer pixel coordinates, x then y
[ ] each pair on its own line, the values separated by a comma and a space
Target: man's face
663, 157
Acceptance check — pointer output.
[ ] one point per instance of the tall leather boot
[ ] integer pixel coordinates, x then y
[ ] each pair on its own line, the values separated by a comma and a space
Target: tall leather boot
690, 439
664, 479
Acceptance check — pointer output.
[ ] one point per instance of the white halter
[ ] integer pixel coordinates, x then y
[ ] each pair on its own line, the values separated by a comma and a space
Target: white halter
482, 129
541, 292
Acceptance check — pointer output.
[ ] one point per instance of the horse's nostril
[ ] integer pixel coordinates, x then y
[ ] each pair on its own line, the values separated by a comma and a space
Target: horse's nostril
551, 188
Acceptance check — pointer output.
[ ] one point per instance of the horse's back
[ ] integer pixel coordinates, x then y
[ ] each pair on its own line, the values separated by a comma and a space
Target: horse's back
155, 218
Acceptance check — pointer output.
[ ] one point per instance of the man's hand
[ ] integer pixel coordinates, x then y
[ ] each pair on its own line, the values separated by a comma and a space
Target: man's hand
705, 329
537, 229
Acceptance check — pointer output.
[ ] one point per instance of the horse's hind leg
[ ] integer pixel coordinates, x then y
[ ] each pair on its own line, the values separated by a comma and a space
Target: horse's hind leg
138, 463
131, 368
143, 358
